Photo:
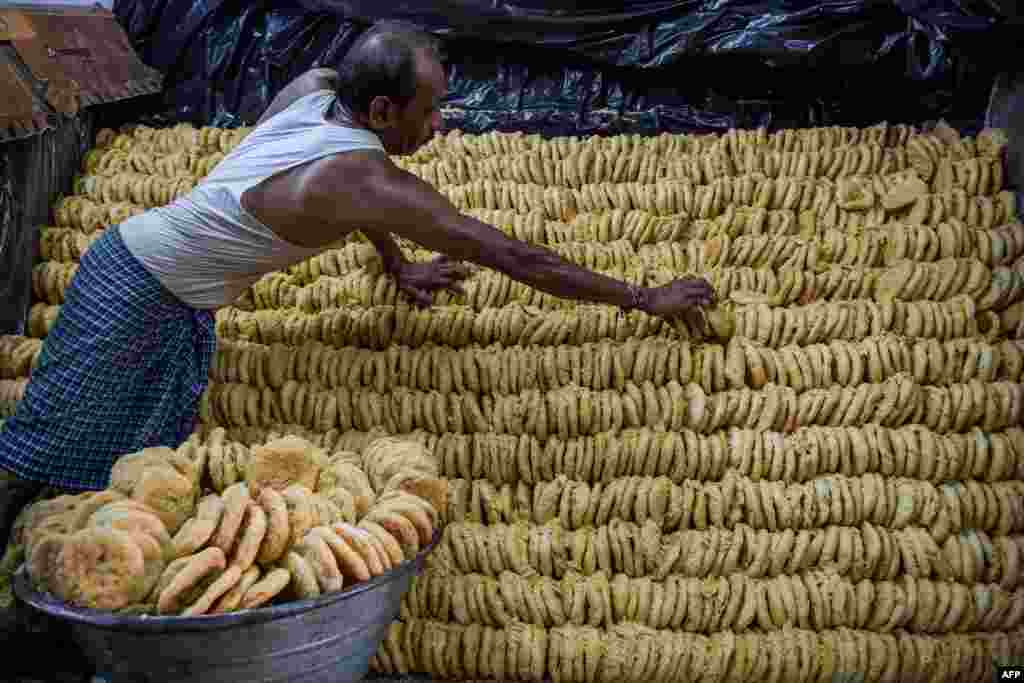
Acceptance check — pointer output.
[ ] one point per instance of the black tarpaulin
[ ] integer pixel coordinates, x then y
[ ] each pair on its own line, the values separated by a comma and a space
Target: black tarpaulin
641, 66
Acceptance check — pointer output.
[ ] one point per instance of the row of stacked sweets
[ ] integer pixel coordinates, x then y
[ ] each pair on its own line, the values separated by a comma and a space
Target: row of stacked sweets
174, 534
933, 264
864, 583
820, 267
586, 388
846, 429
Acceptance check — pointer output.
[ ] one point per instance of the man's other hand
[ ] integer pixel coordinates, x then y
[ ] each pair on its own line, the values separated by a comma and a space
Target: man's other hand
679, 298
419, 281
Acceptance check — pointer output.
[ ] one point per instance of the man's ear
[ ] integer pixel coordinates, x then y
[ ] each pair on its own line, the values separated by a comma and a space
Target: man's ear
382, 112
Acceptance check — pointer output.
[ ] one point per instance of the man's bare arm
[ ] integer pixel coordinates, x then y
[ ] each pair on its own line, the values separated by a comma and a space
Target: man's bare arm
390, 253
392, 200
309, 82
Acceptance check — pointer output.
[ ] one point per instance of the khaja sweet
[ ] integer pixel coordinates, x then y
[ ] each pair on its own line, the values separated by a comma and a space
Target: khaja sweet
825, 480
173, 535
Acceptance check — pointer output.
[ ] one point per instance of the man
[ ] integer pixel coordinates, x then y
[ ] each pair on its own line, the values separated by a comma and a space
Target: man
127, 360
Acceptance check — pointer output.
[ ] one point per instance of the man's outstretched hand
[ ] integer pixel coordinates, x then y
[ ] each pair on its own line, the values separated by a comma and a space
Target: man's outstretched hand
679, 299
419, 281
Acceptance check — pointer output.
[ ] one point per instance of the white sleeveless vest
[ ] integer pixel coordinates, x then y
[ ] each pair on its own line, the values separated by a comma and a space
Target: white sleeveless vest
204, 247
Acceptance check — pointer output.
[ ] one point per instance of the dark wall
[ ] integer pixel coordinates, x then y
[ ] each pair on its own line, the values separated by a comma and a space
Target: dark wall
34, 173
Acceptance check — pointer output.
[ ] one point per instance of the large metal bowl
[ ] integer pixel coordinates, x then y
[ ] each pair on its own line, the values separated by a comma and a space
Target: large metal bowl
326, 639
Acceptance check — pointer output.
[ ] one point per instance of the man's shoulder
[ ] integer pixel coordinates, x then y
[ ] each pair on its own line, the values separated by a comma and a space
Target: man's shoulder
328, 77
363, 163
363, 170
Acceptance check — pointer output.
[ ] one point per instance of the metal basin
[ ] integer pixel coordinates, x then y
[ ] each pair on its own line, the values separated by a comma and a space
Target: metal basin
326, 639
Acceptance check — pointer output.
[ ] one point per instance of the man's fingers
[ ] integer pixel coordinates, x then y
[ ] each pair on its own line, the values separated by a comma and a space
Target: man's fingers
700, 290
457, 270
418, 296
694, 318
449, 265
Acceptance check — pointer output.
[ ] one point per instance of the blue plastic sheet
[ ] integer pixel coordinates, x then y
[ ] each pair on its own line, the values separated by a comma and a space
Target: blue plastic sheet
644, 66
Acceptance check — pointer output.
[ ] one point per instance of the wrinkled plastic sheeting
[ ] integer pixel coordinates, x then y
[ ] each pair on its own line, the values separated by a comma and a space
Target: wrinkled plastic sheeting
636, 67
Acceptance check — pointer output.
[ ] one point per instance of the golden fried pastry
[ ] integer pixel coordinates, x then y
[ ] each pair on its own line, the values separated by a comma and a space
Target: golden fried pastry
30, 515
315, 550
134, 518
346, 475
302, 516
170, 495
360, 540
232, 599
413, 508
304, 583
326, 511
90, 503
254, 530
267, 588
227, 580
236, 503
199, 529
279, 533
155, 557
400, 528
385, 540
100, 568
42, 562
434, 491
282, 463
129, 468
343, 500
189, 579
350, 562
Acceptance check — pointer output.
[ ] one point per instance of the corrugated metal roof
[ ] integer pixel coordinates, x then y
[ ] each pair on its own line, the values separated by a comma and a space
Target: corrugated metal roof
23, 113
66, 58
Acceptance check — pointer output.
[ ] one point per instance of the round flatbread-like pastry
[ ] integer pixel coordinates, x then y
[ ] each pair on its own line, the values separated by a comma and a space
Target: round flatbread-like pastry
254, 530
304, 583
350, 562
350, 477
400, 528
189, 577
129, 468
90, 503
343, 500
42, 563
236, 502
417, 510
232, 599
279, 534
134, 518
315, 550
227, 580
170, 495
154, 556
100, 568
360, 541
386, 541
325, 510
266, 589
199, 529
302, 515
282, 463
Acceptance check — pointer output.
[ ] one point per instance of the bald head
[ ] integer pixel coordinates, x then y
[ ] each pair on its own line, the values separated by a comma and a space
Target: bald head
386, 61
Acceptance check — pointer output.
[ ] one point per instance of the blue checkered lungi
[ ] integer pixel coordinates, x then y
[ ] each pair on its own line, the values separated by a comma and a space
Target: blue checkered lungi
122, 369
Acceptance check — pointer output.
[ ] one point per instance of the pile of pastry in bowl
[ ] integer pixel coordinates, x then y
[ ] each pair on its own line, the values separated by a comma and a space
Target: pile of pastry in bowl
213, 528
